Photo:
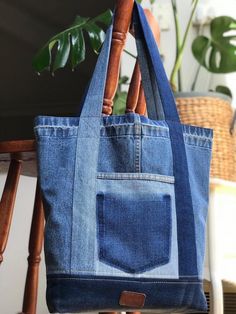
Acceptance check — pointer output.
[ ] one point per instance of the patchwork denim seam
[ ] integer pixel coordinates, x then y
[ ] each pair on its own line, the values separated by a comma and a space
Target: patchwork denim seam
56, 271
199, 146
72, 211
54, 137
55, 132
191, 136
44, 128
42, 122
137, 147
162, 125
113, 279
61, 127
188, 140
135, 176
195, 140
47, 126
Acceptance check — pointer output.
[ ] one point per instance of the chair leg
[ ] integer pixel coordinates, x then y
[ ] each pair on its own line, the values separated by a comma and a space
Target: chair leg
7, 203
35, 248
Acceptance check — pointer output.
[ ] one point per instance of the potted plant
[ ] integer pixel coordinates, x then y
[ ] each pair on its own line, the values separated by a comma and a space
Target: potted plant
217, 54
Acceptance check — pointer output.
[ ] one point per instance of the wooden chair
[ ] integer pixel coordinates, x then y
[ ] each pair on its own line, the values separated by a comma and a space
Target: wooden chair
17, 152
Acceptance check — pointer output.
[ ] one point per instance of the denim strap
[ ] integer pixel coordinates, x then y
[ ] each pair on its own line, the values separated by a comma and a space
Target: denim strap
158, 94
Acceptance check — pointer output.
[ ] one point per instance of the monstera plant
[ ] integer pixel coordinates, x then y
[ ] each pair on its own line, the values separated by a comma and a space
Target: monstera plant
69, 45
217, 53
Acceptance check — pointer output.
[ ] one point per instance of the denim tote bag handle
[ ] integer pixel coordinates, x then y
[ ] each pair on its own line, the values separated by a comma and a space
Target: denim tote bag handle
157, 94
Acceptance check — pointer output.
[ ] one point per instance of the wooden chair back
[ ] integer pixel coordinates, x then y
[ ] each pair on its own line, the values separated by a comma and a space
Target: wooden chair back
17, 152
135, 100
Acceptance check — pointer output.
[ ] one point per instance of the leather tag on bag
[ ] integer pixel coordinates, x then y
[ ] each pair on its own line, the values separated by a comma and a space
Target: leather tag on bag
132, 299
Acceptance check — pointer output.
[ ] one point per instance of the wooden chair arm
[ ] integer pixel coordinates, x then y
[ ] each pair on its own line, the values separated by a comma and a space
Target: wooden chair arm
122, 19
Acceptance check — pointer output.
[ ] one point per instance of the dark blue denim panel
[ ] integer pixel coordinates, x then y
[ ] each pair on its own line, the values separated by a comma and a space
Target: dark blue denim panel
184, 206
57, 179
134, 234
87, 293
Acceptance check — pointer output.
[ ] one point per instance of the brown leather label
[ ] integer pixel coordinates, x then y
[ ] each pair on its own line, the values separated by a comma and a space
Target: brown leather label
132, 299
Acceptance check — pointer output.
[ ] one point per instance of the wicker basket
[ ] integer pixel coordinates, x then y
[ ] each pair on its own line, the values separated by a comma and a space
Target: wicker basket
212, 111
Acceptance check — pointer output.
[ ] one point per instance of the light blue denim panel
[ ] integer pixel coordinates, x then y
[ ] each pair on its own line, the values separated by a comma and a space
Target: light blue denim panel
199, 157
84, 201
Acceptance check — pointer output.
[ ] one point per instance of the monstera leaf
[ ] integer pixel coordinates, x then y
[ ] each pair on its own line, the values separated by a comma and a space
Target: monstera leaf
70, 44
224, 90
218, 52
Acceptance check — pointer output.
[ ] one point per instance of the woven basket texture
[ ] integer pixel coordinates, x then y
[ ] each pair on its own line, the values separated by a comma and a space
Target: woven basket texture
217, 114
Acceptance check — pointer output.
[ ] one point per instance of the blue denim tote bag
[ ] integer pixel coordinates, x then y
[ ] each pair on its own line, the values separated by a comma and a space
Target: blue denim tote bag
125, 198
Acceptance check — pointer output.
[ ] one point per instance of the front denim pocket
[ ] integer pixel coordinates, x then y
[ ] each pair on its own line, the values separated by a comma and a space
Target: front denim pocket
134, 230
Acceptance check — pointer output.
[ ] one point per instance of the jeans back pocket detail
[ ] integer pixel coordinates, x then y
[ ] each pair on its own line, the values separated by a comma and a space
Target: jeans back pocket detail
134, 234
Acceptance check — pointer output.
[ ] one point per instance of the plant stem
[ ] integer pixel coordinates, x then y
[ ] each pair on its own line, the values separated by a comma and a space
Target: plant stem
193, 86
180, 80
179, 56
196, 78
130, 54
178, 38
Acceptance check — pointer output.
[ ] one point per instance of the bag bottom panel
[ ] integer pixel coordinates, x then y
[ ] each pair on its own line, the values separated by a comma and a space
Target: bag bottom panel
75, 294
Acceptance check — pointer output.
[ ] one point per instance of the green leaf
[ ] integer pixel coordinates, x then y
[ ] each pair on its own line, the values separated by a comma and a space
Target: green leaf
78, 48
120, 103
96, 36
63, 51
224, 90
70, 45
104, 18
43, 58
123, 80
218, 52
79, 21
